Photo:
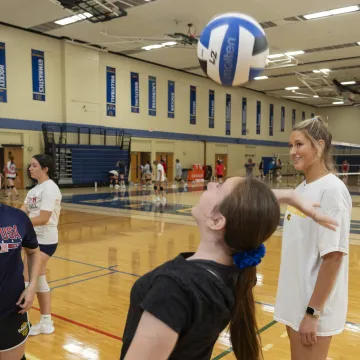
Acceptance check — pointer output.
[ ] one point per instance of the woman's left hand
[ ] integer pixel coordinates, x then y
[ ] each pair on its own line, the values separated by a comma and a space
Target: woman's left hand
308, 329
26, 299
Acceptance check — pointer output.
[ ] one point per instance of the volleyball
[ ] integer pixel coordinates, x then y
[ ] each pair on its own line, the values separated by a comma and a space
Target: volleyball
233, 49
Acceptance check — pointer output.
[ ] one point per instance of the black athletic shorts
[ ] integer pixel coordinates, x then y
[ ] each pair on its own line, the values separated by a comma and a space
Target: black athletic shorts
48, 249
14, 330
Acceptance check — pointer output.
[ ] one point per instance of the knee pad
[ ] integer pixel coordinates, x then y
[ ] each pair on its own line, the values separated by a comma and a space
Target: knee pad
12, 186
155, 187
42, 285
161, 188
8, 187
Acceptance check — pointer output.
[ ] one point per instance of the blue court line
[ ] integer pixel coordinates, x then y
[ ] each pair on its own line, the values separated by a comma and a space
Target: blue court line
85, 273
79, 281
97, 266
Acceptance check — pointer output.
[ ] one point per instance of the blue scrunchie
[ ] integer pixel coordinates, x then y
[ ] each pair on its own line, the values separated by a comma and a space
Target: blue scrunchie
245, 259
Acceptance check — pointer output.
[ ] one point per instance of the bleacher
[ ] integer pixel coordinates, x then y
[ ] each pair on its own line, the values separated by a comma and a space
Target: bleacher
85, 155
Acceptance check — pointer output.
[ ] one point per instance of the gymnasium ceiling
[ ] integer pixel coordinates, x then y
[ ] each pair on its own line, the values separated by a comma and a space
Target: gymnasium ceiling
329, 43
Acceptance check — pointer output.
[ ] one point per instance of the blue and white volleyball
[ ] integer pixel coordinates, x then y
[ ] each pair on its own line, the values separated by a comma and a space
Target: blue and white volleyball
233, 49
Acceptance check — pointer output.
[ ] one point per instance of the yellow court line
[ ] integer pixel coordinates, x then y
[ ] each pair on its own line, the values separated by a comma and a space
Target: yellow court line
31, 357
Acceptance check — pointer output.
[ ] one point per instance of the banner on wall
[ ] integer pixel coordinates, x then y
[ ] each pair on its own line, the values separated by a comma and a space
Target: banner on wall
303, 116
110, 91
3, 90
271, 120
135, 92
211, 109
228, 115
171, 99
282, 123
243, 116
258, 117
38, 75
152, 95
293, 119
192, 105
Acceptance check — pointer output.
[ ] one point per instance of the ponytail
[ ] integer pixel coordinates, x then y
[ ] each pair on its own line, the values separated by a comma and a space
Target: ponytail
243, 327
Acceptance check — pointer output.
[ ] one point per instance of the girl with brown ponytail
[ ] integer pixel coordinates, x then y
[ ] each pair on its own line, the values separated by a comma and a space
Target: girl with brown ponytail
178, 310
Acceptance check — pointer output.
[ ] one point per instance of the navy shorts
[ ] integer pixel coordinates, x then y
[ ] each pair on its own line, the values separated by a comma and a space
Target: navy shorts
14, 330
49, 250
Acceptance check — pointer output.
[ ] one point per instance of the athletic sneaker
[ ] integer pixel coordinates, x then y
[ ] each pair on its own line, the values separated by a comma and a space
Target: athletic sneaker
157, 199
117, 186
163, 200
41, 328
111, 186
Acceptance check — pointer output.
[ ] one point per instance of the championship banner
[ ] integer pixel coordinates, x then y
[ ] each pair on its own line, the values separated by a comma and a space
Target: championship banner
258, 117
152, 96
293, 119
38, 74
303, 116
228, 115
3, 90
110, 91
192, 105
135, 91
271, 120
171, 99
282, 123
243, 114
211, 109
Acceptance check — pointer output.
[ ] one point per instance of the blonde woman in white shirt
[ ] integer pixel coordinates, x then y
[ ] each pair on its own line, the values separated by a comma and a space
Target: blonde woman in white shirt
312, 293
43, 205
159, 182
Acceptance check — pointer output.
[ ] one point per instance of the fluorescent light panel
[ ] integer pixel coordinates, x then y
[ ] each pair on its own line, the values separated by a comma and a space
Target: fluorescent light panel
321, 71
322, 14
348, 83
277, 56
73, 19
261, 77
292, 88
316, 96
293, 53
159, 46
338, 103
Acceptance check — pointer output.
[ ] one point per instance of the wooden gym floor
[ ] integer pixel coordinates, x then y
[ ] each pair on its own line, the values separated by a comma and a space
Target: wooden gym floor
109, 238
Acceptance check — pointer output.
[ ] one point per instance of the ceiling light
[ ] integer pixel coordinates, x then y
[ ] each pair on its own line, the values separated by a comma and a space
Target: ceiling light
261, 77
325, 71
277, 56
345, 10
348, 83
152, 47
359, 43
73, 19
292, 88
338, 103
316, 96
327, 13
298, 52
169, 43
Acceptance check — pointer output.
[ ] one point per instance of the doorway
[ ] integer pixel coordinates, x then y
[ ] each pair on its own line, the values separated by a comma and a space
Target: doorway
18, 153
169, 160
137, 159
224, 159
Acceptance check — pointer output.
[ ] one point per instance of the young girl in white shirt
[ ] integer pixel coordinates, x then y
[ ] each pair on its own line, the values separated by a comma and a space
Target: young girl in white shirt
43, 204
312, 293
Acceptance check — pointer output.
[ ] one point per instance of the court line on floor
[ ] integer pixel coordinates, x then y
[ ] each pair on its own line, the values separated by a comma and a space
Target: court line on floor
228, 351
85, 273
82, 325
83, 280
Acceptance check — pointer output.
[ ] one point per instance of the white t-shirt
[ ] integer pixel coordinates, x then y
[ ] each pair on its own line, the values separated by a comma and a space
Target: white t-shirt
47, 197
10, 170
178, 170
161, 176
304, 243
147, 169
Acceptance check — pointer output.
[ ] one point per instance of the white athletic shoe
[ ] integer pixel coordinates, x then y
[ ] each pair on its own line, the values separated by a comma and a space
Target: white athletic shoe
163, 200
111, 186
117, 186
41, 328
